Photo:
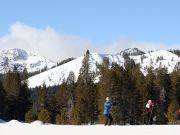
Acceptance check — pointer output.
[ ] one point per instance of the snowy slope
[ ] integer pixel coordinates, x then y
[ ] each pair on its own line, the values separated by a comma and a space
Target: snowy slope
36, 128
155, 59
56, 75
22, 59
161, 58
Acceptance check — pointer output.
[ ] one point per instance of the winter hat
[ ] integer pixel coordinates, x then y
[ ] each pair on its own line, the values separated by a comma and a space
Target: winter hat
149, 101
107, 98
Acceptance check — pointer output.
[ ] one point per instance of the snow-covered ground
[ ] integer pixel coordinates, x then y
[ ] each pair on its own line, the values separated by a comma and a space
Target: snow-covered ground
37, 128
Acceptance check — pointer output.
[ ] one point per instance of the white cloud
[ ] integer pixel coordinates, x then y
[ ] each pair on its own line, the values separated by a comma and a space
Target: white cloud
46, 42
57, 46
124, 43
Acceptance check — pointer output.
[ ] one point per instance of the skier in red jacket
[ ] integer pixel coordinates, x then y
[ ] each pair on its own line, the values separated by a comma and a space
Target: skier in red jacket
149, 107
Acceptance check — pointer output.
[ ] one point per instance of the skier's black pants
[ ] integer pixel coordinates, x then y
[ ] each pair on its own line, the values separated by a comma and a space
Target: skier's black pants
150, 118
108, 118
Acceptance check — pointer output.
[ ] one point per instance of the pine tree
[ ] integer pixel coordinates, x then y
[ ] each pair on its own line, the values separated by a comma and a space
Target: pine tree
172, 112
24, 100
62, 118
175, 81
103, 86
65, 98
62, 97
71, 94
2, 100
29, 117
86, 95
24, 75
131, 94
139, 92
51, 106
116, 88
162, 84
58, 119
44, 116
42, 96
12, 84
125, 104
150, 86
75, 119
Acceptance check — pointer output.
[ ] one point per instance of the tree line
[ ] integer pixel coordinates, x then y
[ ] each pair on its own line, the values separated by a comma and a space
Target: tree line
82, 101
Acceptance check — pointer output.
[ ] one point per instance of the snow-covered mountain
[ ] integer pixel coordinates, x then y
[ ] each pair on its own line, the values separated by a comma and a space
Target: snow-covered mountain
22, 59
56, 75
132, 52
155, 59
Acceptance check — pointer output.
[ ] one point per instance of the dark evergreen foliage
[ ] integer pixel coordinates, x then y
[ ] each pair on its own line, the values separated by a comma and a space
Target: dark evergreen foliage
30, 117
177, 52
82, 102
44, 116
86, 95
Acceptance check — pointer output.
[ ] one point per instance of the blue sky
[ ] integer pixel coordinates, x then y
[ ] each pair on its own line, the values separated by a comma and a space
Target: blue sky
98, 20
101, 22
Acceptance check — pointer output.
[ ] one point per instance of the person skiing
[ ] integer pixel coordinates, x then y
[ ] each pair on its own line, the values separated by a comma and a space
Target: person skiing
107, 113
149, 107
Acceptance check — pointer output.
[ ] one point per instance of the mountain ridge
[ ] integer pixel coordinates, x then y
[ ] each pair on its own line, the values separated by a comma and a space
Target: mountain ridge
23, 59
155, 59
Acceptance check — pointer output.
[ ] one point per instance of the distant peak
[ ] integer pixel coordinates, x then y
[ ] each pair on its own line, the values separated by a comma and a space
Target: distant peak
132, 52
23, 59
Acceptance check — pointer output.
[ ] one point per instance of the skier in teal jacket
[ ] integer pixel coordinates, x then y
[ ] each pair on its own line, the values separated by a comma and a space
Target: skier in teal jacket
107, 112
